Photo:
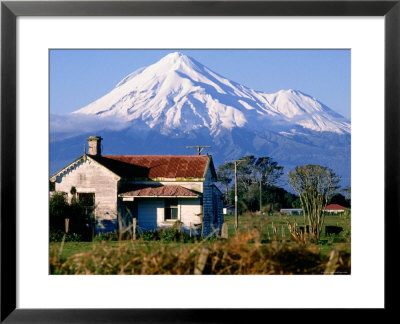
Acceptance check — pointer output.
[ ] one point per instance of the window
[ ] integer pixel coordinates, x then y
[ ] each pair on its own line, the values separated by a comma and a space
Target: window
86, 199
171, 209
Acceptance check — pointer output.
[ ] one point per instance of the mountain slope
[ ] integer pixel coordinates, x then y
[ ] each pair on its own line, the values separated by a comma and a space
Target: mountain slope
178, 92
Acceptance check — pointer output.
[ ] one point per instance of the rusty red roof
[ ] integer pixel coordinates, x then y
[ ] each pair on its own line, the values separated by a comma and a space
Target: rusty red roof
157, 166
334, 207
158, 191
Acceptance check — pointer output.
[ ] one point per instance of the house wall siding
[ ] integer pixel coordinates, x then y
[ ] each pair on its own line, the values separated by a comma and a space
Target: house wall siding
212, 207
190, 210
219, 208
150, 213
90, 177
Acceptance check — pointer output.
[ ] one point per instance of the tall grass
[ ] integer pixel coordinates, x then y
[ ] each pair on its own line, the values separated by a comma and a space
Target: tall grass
244, 253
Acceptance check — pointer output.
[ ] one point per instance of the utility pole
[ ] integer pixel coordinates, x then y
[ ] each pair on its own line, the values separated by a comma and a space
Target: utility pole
198, 147
260, 196
236, 197
236, 200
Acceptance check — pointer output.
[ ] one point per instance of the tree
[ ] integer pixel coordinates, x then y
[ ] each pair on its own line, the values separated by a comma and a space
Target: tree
267, 172
245, 170
251, 196
254, 176
346, 191
339, 199
314, 184
58, 210
224, 176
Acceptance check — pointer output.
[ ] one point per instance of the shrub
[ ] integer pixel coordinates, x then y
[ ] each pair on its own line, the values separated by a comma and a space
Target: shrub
167, 235
170, 235
58, 236
149, 236
59, 210
73, 237
79, 219
106, 237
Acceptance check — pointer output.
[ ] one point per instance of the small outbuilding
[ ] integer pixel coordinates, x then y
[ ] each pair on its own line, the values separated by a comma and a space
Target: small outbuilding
229, 210
335, 209
292, 211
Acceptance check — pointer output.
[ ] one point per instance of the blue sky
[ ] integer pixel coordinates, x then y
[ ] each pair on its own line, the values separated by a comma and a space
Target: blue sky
78, 77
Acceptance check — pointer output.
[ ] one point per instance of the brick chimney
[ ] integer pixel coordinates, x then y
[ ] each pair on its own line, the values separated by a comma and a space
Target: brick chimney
94, 145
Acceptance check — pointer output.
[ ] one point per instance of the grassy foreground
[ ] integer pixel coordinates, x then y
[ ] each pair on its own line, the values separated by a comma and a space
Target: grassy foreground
254, 250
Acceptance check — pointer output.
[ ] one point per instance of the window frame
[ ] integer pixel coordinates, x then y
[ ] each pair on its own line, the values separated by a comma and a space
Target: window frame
87, 193
169, 206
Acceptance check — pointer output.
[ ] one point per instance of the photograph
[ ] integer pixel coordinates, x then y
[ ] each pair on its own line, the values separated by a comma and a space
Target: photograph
199, 161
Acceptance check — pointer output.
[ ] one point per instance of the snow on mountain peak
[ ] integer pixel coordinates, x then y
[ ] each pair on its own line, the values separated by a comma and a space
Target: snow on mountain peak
175, 57
175, 62
177, 92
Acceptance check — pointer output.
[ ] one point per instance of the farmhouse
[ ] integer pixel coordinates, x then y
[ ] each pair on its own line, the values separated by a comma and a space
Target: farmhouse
156, 190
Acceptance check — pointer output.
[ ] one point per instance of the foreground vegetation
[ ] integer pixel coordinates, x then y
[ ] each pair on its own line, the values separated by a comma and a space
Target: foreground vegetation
262, 246
243, 254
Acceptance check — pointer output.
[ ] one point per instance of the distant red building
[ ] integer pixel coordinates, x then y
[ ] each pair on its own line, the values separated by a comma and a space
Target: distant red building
335, 208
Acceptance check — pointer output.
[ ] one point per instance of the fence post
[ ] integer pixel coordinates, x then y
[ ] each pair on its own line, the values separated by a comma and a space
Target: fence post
93, 230
201, 261
66, 225
134, 229
179, 226
224, 231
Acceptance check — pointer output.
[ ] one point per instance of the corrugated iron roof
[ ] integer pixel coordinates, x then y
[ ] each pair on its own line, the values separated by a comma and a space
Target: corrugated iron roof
158, 191
156, 166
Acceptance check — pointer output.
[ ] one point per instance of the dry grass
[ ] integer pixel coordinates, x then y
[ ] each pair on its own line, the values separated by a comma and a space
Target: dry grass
242, 254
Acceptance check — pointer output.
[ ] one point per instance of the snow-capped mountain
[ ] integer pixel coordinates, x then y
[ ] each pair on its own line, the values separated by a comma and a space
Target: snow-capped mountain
177, 101
178, 92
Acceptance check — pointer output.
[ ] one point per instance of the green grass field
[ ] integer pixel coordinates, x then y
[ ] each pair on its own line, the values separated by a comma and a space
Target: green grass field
71, 248
266, 223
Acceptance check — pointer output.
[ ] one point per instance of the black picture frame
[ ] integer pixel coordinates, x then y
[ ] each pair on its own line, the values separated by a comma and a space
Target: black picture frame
10, 10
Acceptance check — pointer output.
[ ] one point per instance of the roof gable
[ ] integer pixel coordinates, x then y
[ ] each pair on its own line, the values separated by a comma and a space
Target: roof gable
81, 159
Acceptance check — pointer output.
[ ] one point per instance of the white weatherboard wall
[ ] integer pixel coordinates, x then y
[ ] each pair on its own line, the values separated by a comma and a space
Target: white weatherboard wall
189, 210
90, 177
151, 213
